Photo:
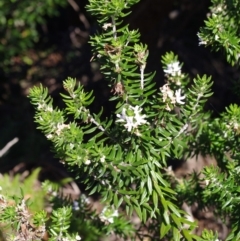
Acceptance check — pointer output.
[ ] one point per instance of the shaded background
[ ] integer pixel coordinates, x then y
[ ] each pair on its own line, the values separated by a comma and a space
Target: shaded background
62, 50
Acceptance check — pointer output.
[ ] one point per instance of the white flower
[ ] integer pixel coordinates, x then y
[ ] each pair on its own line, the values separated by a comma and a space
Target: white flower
179, 98
49, 136
134, 120
108, 215
201, 41
173, 69
130, 123
71, 145
85, 199
235, 126
49, 108
170, 97
168, 93
88, 162
78, 237
106, 26
41, 106
102, 159
168, 107
128, 119
60, 127
138, 117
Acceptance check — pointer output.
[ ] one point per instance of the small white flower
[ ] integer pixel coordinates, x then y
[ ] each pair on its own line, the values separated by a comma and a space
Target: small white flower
133, 121
49, 136
201, 41
235, 126
207, 182
108, 215
88, 162
0, 188
41, 106
106, 26
71, 145
60, 127
49, 108
54, 194
168, 107
102, 159
130, 123
128, 119
78, 237
138, 117
179, 98
173, 69
85, 199
168, 93
122, 117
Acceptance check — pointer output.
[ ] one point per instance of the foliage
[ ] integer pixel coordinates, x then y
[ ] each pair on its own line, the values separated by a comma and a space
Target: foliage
124, 158
22, 214
221, 30
29, 188
19, 21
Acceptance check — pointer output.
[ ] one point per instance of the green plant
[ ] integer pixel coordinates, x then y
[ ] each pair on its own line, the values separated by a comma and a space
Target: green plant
221, 30
29, 188
124, 157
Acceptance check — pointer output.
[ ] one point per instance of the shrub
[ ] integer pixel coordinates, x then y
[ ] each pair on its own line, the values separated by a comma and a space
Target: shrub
124, 157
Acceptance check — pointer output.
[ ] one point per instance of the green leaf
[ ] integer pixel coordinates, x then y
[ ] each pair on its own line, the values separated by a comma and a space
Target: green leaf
93, 190
187, 235
144, 215
164, 229
147, 206
115, 199
91, 130
149, 184
143, 196
174, 210
155, 199
176, 220
119, 202
176, 234
166, 216
138, 211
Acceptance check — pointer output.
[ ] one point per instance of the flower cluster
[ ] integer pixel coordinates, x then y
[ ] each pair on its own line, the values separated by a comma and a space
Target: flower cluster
60, 127
87, 162
173, 72
132, 117
170, 97
201, 40
107, 215
234, 125
173, 69
44, 107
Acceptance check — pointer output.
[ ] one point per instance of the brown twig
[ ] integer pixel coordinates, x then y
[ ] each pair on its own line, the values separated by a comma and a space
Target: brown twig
8, 146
